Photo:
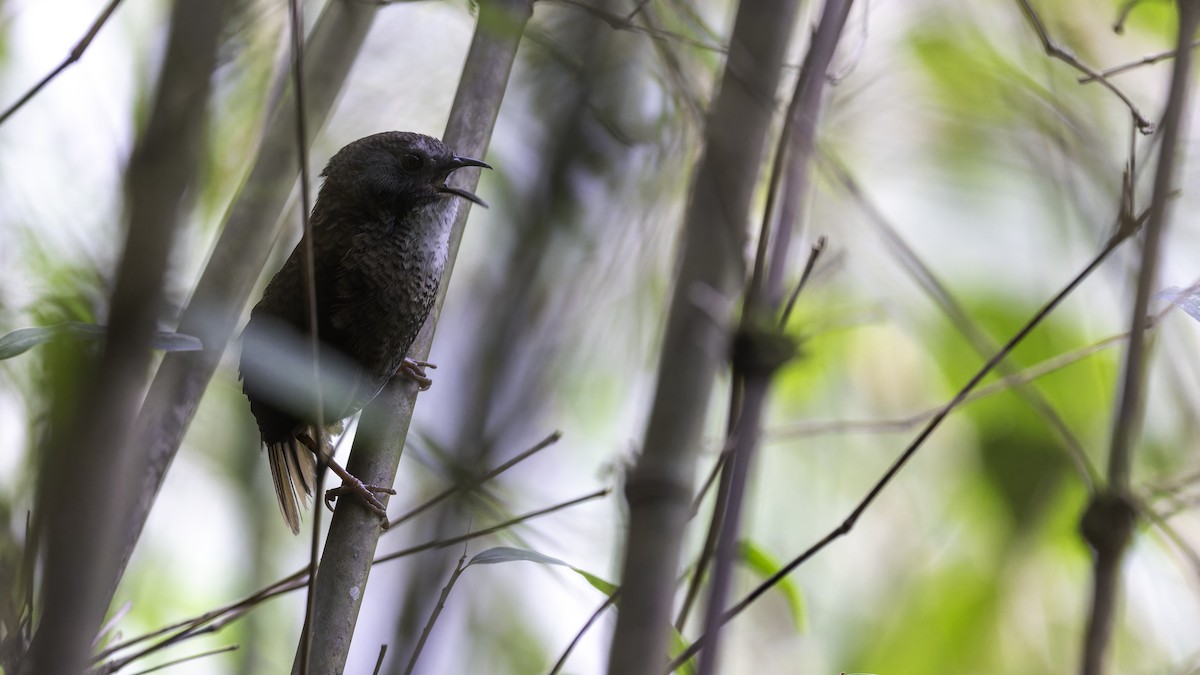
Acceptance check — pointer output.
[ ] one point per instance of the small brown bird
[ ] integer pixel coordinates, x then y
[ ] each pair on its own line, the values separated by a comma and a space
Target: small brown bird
380, 231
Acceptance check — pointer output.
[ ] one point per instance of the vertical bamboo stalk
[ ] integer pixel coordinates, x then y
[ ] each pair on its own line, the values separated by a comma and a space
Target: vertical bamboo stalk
82, 489
354, 532
696, 344
762, 352
1109, 520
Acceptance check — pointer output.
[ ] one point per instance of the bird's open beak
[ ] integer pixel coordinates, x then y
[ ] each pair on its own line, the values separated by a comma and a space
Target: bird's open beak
456, 163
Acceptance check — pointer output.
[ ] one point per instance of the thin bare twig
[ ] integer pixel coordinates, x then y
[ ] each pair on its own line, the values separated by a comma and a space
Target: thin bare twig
76, 54
296, 28
442, 543
437, 611
379, 661
956, 313
848, 524
1055, 51
1144, 61
193, 657
1119, 23
461, 487
618, 22
235, 609
562, 660
700, 571
1026, 376
215, 619
112, 623
1185, 549
636, 10
817, 249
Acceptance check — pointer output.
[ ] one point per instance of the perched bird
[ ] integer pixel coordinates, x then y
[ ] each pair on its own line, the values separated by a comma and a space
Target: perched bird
380, 233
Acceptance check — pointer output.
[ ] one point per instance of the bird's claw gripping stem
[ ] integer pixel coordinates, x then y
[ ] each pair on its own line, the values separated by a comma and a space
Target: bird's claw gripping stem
351, 485
364, 493
415, 371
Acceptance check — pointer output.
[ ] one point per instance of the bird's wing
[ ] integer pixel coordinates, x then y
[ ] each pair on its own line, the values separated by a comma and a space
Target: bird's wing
355, 323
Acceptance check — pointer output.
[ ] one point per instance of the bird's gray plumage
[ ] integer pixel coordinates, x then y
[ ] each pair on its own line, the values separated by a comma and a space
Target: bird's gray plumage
380, 231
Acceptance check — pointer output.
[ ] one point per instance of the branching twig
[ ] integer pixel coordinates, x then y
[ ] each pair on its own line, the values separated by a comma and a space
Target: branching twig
461, 487
216, 619
1055, 51
193, 657
848, 524
76, 53
980, 341
1144, 61
442, 543
1119, 23
618, 22
813, 428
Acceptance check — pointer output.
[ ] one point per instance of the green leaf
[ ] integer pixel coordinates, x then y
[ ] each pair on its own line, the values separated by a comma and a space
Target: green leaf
22, 340
605, 587
503, 554
678, 644
765, 565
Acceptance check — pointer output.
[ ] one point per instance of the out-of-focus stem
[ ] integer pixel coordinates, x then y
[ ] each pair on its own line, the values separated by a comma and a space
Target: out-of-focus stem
239, 255
82, 488
1109, 520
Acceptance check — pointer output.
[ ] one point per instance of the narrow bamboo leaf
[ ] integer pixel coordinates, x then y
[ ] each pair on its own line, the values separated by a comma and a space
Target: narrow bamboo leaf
765, 565
22, 340
166, 341
1188, 299
503, 554
605, 587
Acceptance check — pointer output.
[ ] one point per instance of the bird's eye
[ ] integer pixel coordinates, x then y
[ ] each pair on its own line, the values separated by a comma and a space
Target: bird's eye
412, 162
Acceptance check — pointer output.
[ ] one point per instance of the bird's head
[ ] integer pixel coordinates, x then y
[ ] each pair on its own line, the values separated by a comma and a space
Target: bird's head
399, 168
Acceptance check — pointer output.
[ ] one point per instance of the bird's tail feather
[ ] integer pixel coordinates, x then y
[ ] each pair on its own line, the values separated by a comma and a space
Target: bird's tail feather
294, 472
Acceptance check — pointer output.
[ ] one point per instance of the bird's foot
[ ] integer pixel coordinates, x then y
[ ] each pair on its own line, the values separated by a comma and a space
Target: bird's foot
415, 371
353, 487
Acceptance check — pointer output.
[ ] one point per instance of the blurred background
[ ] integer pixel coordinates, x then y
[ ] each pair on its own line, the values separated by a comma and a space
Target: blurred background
954, 155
